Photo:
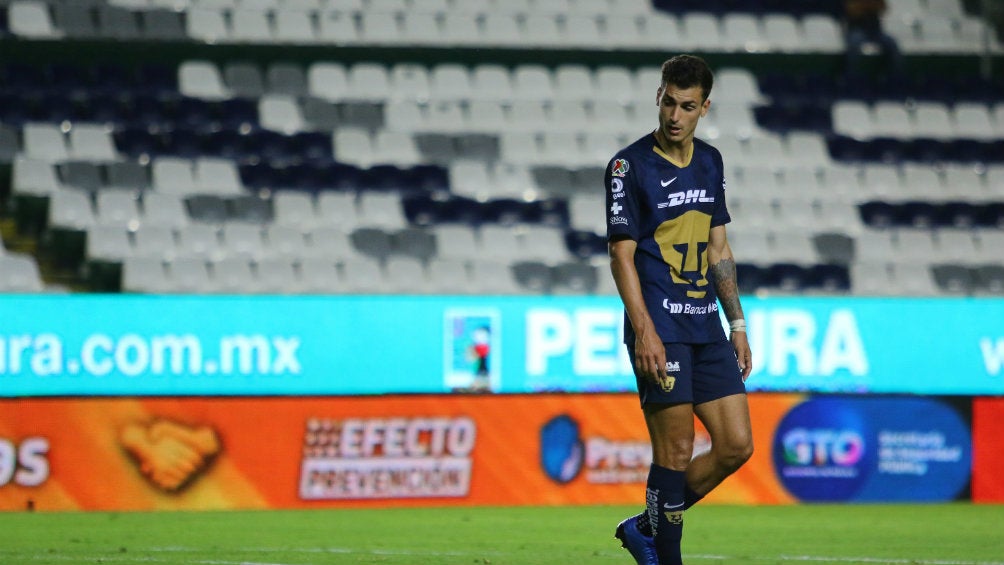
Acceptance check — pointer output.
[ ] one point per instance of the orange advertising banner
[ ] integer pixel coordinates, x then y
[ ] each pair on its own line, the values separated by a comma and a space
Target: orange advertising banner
219, 453
988, 457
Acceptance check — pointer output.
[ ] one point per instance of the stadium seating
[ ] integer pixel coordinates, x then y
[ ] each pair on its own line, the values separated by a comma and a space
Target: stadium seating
253, 177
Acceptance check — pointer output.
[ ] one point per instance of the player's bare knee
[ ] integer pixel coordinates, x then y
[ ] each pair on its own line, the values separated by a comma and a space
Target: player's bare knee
673, 453
734, 454
731, 452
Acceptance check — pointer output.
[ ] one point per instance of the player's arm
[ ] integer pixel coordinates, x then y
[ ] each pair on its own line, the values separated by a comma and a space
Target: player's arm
723, 267
650, 353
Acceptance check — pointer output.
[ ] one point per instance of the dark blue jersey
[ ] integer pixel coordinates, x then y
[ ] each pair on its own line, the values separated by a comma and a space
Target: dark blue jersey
670, 210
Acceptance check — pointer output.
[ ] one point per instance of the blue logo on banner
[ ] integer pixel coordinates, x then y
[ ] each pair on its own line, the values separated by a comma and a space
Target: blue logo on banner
561, 449
821, 451
873, 449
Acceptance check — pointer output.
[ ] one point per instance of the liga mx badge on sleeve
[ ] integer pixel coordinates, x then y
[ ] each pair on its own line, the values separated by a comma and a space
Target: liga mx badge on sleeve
619, 168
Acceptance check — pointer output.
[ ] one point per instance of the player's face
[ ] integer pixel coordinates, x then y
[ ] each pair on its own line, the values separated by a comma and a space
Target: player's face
679, 111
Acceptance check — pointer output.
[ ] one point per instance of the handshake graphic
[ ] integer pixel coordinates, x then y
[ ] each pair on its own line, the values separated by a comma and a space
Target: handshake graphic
169, 454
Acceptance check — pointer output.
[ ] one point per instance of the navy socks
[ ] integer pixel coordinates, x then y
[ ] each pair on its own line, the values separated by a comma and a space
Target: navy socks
690, 498
665, 504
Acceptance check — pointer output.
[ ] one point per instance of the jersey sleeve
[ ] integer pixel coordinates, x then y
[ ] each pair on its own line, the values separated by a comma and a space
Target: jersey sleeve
622, 200
720, 216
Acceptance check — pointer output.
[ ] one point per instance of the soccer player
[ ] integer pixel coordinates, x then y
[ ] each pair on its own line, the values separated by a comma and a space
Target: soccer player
671, 261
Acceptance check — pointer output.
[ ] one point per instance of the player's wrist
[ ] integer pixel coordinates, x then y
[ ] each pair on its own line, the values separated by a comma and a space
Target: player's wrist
737, 325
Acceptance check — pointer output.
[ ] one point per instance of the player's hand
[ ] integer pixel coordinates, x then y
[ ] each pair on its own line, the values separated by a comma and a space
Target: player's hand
743, 355
650, 355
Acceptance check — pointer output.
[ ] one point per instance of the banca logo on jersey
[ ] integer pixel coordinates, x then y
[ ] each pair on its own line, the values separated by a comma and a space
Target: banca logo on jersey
690, 309
619, 168
686, 197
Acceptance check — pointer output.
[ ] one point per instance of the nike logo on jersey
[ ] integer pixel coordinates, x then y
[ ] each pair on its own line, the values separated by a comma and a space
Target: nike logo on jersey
666, 183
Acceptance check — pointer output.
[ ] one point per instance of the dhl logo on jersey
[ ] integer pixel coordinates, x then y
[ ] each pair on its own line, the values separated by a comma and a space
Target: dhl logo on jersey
686, 197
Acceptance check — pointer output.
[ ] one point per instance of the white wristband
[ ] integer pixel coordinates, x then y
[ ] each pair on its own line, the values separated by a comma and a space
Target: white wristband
738, 325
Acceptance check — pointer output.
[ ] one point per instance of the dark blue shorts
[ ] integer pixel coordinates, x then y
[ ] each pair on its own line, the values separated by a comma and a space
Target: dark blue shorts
697, 373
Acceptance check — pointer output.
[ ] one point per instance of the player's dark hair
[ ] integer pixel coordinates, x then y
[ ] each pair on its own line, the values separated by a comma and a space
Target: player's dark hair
687, 71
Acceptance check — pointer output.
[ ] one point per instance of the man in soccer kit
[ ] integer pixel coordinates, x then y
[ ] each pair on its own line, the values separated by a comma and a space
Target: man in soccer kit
671, 261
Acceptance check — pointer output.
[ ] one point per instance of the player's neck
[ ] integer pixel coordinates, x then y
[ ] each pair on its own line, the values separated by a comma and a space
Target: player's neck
678, 153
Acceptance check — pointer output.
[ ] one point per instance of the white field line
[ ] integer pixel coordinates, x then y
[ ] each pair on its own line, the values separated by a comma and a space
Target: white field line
864, 560
125, 558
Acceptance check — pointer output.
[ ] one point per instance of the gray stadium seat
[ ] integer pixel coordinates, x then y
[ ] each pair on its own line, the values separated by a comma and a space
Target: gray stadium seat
201, 79
160, 209
490, 276
153, 241
250, 25
954, 279
173, 175
217, 176
19, 273
406, 275
127, 175
82, 175
294, 26
448, 276
34, 177
163, 25
294, 209
241, 240
232, 275
834, 248
244, 79
284, 241
363, 275
144, 275
456, 241
70, 209
782, 33
117, 23
188, 275
337, 27
574, 278
373, 242
989, 279
381, 209
533, 277
329, 243
328, 81
118, 208
275, 275
418, 243
198, 241
44, 141
319, 276
286, 79
108, 243
31, 19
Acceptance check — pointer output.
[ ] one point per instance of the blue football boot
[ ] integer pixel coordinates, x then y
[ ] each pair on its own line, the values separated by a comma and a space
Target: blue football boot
641, 547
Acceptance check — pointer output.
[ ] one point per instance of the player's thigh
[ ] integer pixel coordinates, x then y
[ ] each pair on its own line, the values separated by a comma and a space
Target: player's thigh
671, 430
716, 372
727, 420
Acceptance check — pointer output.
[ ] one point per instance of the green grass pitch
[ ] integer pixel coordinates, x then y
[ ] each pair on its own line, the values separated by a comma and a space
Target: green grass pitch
945, 534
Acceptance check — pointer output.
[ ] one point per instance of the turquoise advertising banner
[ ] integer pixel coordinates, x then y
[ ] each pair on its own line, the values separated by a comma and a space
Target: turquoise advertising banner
344, 345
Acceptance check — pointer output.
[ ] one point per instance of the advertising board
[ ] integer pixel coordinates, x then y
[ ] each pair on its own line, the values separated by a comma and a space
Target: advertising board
359, 345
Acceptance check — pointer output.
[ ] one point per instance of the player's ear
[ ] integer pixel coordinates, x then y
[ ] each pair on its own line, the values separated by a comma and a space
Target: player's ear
658, 96
705, 107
